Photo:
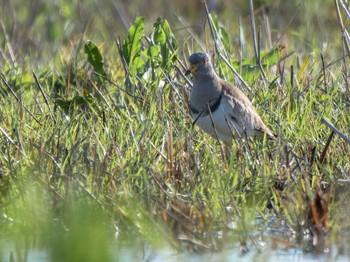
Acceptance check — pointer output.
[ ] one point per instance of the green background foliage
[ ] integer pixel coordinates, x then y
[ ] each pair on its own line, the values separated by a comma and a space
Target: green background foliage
97, 145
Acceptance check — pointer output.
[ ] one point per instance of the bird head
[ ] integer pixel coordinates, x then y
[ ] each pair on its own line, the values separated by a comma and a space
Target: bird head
200, 65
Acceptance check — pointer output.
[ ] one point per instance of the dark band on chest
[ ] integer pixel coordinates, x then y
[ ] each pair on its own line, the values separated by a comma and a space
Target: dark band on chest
212, 108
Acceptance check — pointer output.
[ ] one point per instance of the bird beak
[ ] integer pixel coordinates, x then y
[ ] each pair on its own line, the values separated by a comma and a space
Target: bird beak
193, 68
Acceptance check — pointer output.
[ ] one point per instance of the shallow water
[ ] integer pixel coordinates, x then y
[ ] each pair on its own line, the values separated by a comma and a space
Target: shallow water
134, 254
143, 252
268, 241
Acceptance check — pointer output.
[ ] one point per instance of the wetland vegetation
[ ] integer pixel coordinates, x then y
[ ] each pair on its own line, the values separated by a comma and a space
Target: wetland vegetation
99, 157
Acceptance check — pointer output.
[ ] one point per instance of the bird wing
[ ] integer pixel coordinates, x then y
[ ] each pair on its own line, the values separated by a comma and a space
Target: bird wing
237, 105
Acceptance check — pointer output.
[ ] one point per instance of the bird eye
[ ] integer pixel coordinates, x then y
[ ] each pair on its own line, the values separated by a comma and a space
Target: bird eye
204, 61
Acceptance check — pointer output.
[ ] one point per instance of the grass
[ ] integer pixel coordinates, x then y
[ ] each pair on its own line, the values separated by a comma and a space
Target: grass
98, 148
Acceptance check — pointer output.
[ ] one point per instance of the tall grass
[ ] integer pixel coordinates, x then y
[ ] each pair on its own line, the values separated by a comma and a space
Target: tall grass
98, 148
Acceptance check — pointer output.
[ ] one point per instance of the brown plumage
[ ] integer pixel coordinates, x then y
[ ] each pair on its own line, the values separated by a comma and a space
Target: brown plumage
216, 101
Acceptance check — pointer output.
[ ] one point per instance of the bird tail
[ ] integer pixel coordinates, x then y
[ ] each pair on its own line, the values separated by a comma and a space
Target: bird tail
261, 132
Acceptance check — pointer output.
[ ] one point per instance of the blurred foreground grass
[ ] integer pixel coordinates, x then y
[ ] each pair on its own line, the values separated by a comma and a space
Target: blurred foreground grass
98, 150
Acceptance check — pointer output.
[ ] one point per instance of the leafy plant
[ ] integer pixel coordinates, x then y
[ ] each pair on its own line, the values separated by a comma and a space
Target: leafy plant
94, 57
164, 40
132, 46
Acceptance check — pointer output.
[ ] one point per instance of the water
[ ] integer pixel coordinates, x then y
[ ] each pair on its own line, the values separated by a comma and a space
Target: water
144, 252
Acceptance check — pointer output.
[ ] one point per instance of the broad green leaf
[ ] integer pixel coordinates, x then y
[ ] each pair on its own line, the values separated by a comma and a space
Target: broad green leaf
94, 57
170, 35
163, 37
138, 62
153, 51
159, 36
133, 45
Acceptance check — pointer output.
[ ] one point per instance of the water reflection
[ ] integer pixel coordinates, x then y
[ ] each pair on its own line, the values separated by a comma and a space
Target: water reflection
141, 251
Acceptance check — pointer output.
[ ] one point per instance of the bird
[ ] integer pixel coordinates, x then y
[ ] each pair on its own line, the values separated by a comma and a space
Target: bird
220, 108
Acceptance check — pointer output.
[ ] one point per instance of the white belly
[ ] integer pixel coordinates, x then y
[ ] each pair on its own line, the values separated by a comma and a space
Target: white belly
226, 128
